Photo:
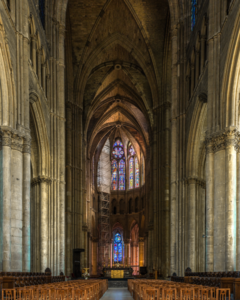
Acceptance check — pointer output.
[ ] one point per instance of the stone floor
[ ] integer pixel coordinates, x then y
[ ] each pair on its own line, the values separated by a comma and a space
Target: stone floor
117, 294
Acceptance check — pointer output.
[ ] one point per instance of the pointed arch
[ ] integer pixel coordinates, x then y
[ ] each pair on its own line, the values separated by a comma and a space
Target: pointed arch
41, 132
231, 80
8, 105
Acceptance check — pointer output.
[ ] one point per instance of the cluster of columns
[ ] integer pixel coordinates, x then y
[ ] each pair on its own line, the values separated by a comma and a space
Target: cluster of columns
40, 226
222, 234
159, 207
15, 201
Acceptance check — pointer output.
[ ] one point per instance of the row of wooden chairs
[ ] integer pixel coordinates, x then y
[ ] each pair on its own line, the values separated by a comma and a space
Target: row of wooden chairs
37, 280
235, 274
23, 274
168, 290
71, 290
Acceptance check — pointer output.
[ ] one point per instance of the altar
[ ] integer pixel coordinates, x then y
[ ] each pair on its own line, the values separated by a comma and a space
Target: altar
117, 272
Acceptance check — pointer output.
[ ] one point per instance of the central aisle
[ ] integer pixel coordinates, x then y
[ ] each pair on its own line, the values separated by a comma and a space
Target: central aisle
117, 294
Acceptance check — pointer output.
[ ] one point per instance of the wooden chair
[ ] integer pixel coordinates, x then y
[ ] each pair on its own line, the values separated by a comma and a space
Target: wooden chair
223, 294
8, 294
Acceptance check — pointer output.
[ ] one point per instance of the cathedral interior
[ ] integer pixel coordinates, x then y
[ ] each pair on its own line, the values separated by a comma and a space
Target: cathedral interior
120, 136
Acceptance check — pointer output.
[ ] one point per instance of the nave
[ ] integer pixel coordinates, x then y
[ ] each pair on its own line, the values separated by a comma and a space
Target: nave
117, 293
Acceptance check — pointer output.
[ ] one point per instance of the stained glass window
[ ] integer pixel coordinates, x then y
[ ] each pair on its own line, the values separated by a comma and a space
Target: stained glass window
136, 173
93, 170
114, 175
122, 175
143, 171
118, 143
193, 13
118, 152
131, 151
118, 248
42, 12
131, 165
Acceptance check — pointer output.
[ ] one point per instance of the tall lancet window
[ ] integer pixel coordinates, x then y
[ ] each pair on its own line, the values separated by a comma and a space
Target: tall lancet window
131, 167
193, 13
118, 166
122, 175
136, 173
42, 12
114, 175
118, 248
131, 172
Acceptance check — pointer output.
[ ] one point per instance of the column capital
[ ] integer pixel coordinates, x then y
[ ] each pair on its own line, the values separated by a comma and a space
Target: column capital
6, 135
17, 142
150, 226
94, 239
84, 227
141, 239
27, 145
44, 179
35, 181
191, 180
222, 140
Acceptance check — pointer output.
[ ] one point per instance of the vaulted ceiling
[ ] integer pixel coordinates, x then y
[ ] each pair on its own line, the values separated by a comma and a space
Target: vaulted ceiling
118, 53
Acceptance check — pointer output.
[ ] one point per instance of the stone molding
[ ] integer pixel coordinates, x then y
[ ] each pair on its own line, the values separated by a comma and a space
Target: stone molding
194, 180
94, 239
27, 145
41, 179
84, 228
6, 138
150, 226
218, 142
17, 143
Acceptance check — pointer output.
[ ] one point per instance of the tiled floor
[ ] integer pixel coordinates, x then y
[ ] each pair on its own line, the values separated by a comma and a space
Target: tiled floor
117, 294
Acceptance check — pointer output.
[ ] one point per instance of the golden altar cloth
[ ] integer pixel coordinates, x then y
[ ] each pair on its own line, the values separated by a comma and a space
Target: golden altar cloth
117, 273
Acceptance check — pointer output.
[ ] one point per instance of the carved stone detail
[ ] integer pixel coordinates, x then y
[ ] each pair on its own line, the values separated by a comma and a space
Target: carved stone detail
223, 140
6, 138
84, 228
27, 145
45, 179
17, 143
41, 179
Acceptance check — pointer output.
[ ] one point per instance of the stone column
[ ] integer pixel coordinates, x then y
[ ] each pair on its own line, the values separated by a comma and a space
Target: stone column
39, 62
174, 146
188, 94
202, 227
94, 256
16, 203
209, 204
202, 53
150, 259
192, 78
85, 228
141, 251
230, 209
145, 250
128, 252
44, 203
26, 205
69, 188
44, 78
219, 204
192, 223
197, 66
238, 209
6, 199
34, 49
173, 204
61, 145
